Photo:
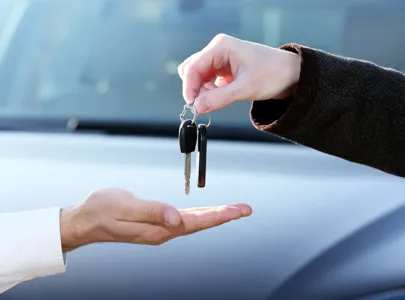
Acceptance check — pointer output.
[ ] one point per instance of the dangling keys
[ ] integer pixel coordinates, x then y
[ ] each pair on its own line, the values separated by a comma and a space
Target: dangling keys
189, 133
187, 141
201, 155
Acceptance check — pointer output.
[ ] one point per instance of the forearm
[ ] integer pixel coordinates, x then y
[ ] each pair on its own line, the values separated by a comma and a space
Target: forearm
344, 107
30, 246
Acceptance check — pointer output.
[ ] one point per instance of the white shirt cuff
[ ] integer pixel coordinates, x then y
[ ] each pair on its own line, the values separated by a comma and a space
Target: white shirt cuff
30, 245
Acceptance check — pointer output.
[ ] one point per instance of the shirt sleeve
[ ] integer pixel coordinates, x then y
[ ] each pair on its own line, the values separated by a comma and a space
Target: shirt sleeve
30, 246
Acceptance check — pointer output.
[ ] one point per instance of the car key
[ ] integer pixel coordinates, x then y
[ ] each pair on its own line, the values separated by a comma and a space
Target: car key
201, 155
187, 141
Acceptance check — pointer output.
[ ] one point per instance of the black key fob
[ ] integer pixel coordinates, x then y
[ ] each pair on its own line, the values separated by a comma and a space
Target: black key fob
201, 155
187, 136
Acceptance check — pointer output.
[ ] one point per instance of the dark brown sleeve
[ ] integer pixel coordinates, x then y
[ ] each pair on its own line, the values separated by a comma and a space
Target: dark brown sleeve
345, 107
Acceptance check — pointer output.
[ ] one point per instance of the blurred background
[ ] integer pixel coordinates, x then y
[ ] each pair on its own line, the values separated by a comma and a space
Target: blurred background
90, 97
117, 59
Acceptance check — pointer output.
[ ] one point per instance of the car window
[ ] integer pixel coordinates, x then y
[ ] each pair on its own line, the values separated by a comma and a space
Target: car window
117, 59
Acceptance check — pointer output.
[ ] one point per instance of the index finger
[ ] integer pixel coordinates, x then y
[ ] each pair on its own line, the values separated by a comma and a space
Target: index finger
193, 71
201, 66
180, 68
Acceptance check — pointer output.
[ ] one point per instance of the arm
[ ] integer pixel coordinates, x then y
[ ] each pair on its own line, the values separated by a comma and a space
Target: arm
30, 246
345, 107
33, 242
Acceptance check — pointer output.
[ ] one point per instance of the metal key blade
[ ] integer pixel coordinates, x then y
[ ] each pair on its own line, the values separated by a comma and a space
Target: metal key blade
187, 172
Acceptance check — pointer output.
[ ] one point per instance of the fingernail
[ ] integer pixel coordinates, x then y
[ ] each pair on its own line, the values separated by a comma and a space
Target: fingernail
171, 218
246, 211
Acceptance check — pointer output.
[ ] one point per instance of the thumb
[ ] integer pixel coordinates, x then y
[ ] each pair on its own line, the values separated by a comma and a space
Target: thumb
156, 213
220, 97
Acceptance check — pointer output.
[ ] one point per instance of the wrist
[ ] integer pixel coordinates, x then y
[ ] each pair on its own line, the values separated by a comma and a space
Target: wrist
292, 70
70, 236
289, 74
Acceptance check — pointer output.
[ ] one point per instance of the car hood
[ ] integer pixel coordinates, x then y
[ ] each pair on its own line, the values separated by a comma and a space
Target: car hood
304, 204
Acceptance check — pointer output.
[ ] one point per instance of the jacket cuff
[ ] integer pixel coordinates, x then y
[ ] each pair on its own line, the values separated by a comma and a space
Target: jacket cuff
282, 116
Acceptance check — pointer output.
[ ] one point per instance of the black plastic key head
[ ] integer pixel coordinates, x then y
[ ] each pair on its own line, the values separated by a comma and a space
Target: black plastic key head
187, 136
202, 155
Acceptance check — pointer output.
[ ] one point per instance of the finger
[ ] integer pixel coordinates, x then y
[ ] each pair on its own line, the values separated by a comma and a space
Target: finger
152, 212
245, 208
199, 69
222, 81
195, 221
203, 89
182, 66
214, 83
209, 86
223, 96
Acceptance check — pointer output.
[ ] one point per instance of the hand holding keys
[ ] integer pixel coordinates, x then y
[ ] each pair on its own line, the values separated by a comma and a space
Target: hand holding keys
190, 135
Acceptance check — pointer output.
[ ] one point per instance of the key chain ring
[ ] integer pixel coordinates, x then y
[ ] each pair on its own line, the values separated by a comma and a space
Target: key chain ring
189, 107
209, 120
182, 115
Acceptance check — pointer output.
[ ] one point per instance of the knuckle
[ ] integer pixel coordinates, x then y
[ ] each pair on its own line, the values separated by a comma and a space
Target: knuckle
106, 195
221, 38
182, 67
151, 213
95, 196
155, 212
187, 69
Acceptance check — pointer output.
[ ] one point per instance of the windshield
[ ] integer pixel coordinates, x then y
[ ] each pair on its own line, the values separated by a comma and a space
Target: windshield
116, 60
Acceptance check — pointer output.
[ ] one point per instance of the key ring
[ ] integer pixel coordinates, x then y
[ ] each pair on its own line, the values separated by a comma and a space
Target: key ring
190, 107
209, 120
